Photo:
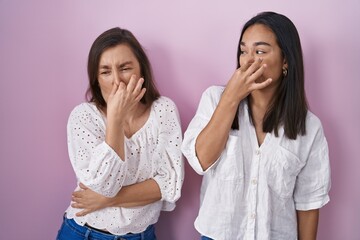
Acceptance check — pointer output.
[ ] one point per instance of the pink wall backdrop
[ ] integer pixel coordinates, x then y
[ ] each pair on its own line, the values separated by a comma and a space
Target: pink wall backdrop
192, 45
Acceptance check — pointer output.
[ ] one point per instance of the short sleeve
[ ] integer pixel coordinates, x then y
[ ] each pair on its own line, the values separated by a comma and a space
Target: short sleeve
95, 163
313, 182
208, 102
170, 169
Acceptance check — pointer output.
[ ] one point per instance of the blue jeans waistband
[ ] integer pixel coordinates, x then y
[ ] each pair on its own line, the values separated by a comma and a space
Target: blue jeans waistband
70, 227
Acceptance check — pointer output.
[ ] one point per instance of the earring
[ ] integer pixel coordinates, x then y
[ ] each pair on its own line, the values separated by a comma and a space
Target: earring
285, 72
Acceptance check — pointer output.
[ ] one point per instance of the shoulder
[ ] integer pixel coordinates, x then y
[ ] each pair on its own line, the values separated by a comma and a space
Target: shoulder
84, 111
211, 97
84, 107
164, 109
164, 104
313, 123
314, 130
313, 141
214, 91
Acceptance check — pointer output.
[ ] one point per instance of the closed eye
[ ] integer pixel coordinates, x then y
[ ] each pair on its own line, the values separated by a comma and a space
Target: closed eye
104, 72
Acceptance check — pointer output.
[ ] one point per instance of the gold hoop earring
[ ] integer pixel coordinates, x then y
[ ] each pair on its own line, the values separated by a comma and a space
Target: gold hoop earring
285, 72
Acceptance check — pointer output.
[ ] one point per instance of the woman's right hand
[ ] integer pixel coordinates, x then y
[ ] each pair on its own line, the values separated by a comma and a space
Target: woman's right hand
212, 139
123, 98
246, 79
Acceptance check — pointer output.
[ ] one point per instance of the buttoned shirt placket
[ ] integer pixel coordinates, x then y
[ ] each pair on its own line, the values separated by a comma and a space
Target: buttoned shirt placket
253, 194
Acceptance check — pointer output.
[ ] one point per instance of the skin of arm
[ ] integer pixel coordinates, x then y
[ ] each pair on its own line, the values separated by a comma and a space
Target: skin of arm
212, 139
122, 100
135, 195
307, 224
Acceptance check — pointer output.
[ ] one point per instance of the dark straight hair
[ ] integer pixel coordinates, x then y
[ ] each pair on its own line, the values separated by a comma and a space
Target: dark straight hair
109, 39
288, 106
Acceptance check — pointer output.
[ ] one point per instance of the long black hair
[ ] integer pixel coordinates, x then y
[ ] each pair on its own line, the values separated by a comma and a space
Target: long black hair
288, 106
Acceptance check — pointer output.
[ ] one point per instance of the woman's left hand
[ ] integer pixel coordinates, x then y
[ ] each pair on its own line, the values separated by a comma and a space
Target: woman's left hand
88, 200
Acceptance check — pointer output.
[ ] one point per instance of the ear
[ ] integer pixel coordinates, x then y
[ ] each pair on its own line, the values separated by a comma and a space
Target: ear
285, 64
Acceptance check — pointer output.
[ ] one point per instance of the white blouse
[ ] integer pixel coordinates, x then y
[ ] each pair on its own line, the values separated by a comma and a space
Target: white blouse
153, 152
253, 192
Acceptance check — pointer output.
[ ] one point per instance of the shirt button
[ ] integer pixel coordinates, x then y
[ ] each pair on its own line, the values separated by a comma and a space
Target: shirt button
254, 181
253, 216
257, 152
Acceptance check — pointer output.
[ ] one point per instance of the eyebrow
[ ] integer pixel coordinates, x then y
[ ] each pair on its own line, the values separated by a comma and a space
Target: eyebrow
120, 66
256, 44
125, 63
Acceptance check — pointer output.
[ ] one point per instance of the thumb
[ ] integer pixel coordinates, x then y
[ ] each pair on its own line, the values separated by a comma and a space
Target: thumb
82, 186
82, 213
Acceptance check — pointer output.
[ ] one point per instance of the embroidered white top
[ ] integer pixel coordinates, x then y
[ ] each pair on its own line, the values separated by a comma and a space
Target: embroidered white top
253, 192
152, 152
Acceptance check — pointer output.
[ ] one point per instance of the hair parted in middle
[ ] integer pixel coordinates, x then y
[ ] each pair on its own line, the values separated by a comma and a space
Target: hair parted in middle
108, 39
289, 106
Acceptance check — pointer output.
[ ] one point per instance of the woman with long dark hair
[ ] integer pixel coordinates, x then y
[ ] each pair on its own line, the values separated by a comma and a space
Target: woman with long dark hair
263, 155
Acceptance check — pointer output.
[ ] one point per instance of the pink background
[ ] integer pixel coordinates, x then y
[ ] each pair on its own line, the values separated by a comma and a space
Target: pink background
192, 45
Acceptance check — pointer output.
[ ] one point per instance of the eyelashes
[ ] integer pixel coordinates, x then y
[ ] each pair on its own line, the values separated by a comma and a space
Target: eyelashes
258, 52
107, 72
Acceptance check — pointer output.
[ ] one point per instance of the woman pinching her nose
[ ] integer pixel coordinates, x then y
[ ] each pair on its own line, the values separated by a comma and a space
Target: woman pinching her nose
123, 110
124, 146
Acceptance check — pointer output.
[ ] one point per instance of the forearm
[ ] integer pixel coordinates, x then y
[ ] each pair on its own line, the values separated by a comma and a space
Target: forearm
115, 137
138, 194
307, 224
212, 139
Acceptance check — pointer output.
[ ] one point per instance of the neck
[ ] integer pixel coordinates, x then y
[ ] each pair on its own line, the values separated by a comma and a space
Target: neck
136, 112
259, 102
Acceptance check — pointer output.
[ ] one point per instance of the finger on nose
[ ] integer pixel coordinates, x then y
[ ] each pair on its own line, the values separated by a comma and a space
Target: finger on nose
256, 61
251, 61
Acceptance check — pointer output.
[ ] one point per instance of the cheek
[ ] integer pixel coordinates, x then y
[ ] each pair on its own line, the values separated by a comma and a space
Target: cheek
125, 77
274, 69
105, 90
241, 61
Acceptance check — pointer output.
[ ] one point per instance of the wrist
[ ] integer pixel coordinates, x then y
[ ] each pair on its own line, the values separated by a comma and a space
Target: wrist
229, 103
234, 95
110, 202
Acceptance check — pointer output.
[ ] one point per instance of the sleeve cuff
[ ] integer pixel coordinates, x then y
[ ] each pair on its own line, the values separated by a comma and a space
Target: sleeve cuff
165, 194
190, 153
112, 151
312, 205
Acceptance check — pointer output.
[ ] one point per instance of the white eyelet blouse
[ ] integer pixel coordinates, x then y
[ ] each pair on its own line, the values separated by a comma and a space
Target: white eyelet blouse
153, 152
253, 192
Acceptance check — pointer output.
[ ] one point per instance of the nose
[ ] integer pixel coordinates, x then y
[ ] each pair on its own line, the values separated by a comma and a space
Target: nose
250, 57
247, 58
116, 77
